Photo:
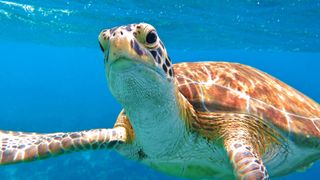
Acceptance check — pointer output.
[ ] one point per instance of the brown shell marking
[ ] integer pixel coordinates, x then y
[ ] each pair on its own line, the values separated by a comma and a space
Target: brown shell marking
231, 87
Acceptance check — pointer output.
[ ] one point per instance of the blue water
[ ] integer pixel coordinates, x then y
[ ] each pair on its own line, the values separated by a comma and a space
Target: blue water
52, 75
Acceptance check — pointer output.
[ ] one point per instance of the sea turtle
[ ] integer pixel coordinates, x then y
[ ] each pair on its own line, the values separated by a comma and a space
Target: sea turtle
194, 120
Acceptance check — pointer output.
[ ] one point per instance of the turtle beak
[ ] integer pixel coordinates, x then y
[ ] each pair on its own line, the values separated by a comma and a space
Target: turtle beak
101, 47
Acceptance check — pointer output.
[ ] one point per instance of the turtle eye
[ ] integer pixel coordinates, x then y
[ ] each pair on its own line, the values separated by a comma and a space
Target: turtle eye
151, 37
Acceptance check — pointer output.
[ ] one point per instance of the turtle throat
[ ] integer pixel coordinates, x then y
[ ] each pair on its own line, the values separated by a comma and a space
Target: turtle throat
150, 102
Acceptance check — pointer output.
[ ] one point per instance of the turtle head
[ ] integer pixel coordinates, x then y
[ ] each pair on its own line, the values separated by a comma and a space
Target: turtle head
138, 43
134, 58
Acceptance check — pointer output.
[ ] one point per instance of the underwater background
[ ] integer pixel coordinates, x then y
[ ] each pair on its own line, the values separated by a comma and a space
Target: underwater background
52, 73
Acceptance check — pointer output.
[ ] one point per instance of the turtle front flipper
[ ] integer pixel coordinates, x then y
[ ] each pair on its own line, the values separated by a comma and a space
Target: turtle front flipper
246, 138
20, 146
246, 162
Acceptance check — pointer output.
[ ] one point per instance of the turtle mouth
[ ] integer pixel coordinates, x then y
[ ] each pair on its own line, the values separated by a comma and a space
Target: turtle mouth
106, 54
126, 65
122, 64
101, 47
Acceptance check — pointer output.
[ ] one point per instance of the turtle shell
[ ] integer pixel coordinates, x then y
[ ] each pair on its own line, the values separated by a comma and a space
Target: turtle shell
220, 86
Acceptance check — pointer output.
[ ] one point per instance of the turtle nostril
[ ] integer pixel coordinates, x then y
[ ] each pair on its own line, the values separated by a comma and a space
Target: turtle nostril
101, 47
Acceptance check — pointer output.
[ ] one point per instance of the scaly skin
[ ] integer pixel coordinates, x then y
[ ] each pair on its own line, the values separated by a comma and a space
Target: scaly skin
18, 146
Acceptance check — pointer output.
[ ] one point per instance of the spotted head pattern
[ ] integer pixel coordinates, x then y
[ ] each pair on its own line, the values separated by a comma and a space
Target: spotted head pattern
138, 42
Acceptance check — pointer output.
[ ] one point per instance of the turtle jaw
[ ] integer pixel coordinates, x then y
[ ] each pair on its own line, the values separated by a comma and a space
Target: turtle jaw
129, 80
124, 72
